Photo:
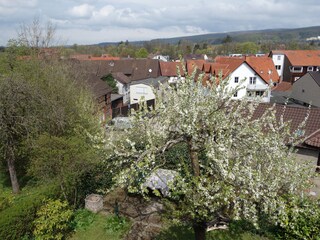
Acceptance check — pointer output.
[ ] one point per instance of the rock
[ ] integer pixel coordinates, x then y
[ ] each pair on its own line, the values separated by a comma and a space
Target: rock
160, 180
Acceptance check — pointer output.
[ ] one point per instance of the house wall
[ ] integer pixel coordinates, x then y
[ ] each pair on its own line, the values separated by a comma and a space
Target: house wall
306, 90
278, 59
139, 91
244, 72
124, 90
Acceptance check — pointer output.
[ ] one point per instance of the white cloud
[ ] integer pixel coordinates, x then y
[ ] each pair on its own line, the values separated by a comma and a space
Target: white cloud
114, 20
82, 11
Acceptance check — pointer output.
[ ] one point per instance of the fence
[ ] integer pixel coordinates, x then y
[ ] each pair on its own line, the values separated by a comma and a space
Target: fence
125, 111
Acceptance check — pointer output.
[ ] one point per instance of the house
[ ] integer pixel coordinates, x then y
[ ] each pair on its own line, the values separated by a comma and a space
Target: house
144, 89
254, 75
102, 92
307, 89
293, 64
160, 57
174, 71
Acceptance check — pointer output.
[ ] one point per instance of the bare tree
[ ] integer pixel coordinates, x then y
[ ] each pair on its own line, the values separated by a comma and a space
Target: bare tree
37, 35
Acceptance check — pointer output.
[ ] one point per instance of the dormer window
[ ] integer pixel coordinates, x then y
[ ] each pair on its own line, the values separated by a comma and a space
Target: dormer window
296, 69
310, 69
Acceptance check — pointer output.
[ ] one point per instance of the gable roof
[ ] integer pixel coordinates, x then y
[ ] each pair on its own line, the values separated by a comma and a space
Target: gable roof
315, 76
169, 69
195, 64
262, 66
300, 57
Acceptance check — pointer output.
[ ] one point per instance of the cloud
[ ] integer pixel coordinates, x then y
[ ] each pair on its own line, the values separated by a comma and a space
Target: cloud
82, 11
108, 20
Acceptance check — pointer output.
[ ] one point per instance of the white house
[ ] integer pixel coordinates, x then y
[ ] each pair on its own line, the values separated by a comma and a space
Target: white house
278, 60
254, 75
123, 85
250, 83
144, 89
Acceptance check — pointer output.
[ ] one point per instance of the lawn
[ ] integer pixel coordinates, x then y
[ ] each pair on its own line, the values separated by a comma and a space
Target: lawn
102, 227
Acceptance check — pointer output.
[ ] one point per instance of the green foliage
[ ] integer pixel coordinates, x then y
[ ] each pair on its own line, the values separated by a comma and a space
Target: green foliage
52, 222
63, 160
99, 229
301, 220
95, 179
142, 53
83, 219
111, 82
117, 224
179, 232
17, 218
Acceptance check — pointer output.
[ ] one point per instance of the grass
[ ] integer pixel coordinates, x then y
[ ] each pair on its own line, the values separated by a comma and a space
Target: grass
185, 233
103, 228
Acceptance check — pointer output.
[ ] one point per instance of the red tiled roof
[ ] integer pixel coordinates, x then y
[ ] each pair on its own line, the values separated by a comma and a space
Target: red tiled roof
169, 69
283, 86
301, 57
232, 64
192, 64
264, 67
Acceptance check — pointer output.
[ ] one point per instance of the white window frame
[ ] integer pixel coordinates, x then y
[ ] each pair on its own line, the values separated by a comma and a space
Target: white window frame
310, 68
253, 80
141, 90
296, 69
278, 67
236, 79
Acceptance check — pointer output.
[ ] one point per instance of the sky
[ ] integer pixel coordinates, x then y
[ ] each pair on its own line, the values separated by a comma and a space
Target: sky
95, 21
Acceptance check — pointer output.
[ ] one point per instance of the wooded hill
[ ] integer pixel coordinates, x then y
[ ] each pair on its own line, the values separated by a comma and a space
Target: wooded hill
261, 36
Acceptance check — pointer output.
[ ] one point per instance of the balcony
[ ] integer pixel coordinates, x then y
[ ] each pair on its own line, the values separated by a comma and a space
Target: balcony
257, 87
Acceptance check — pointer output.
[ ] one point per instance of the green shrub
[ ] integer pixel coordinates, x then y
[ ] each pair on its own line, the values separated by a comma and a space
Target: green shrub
301, 220
53, 220
16, 220
83, 219
117, 224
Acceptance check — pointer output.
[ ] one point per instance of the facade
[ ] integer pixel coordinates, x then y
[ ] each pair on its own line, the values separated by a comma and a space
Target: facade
143, 90
307, 89
293, 64
254, 75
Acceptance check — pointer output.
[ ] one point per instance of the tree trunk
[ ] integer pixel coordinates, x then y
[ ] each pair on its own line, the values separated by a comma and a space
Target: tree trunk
199, 231
194, 158
12, 171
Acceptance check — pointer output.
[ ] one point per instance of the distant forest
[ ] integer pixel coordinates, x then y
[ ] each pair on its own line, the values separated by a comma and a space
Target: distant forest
244, 42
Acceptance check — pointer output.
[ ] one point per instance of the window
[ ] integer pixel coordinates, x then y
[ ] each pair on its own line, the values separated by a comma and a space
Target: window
279, 57
235, 94
310, 68
296, 69
259, 93
253, 80
278, 67
141, 90
236, 79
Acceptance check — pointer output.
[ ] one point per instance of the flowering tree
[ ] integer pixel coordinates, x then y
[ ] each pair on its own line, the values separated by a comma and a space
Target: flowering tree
239, 167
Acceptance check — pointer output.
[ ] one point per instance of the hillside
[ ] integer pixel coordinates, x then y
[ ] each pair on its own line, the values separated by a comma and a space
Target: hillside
274, 35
